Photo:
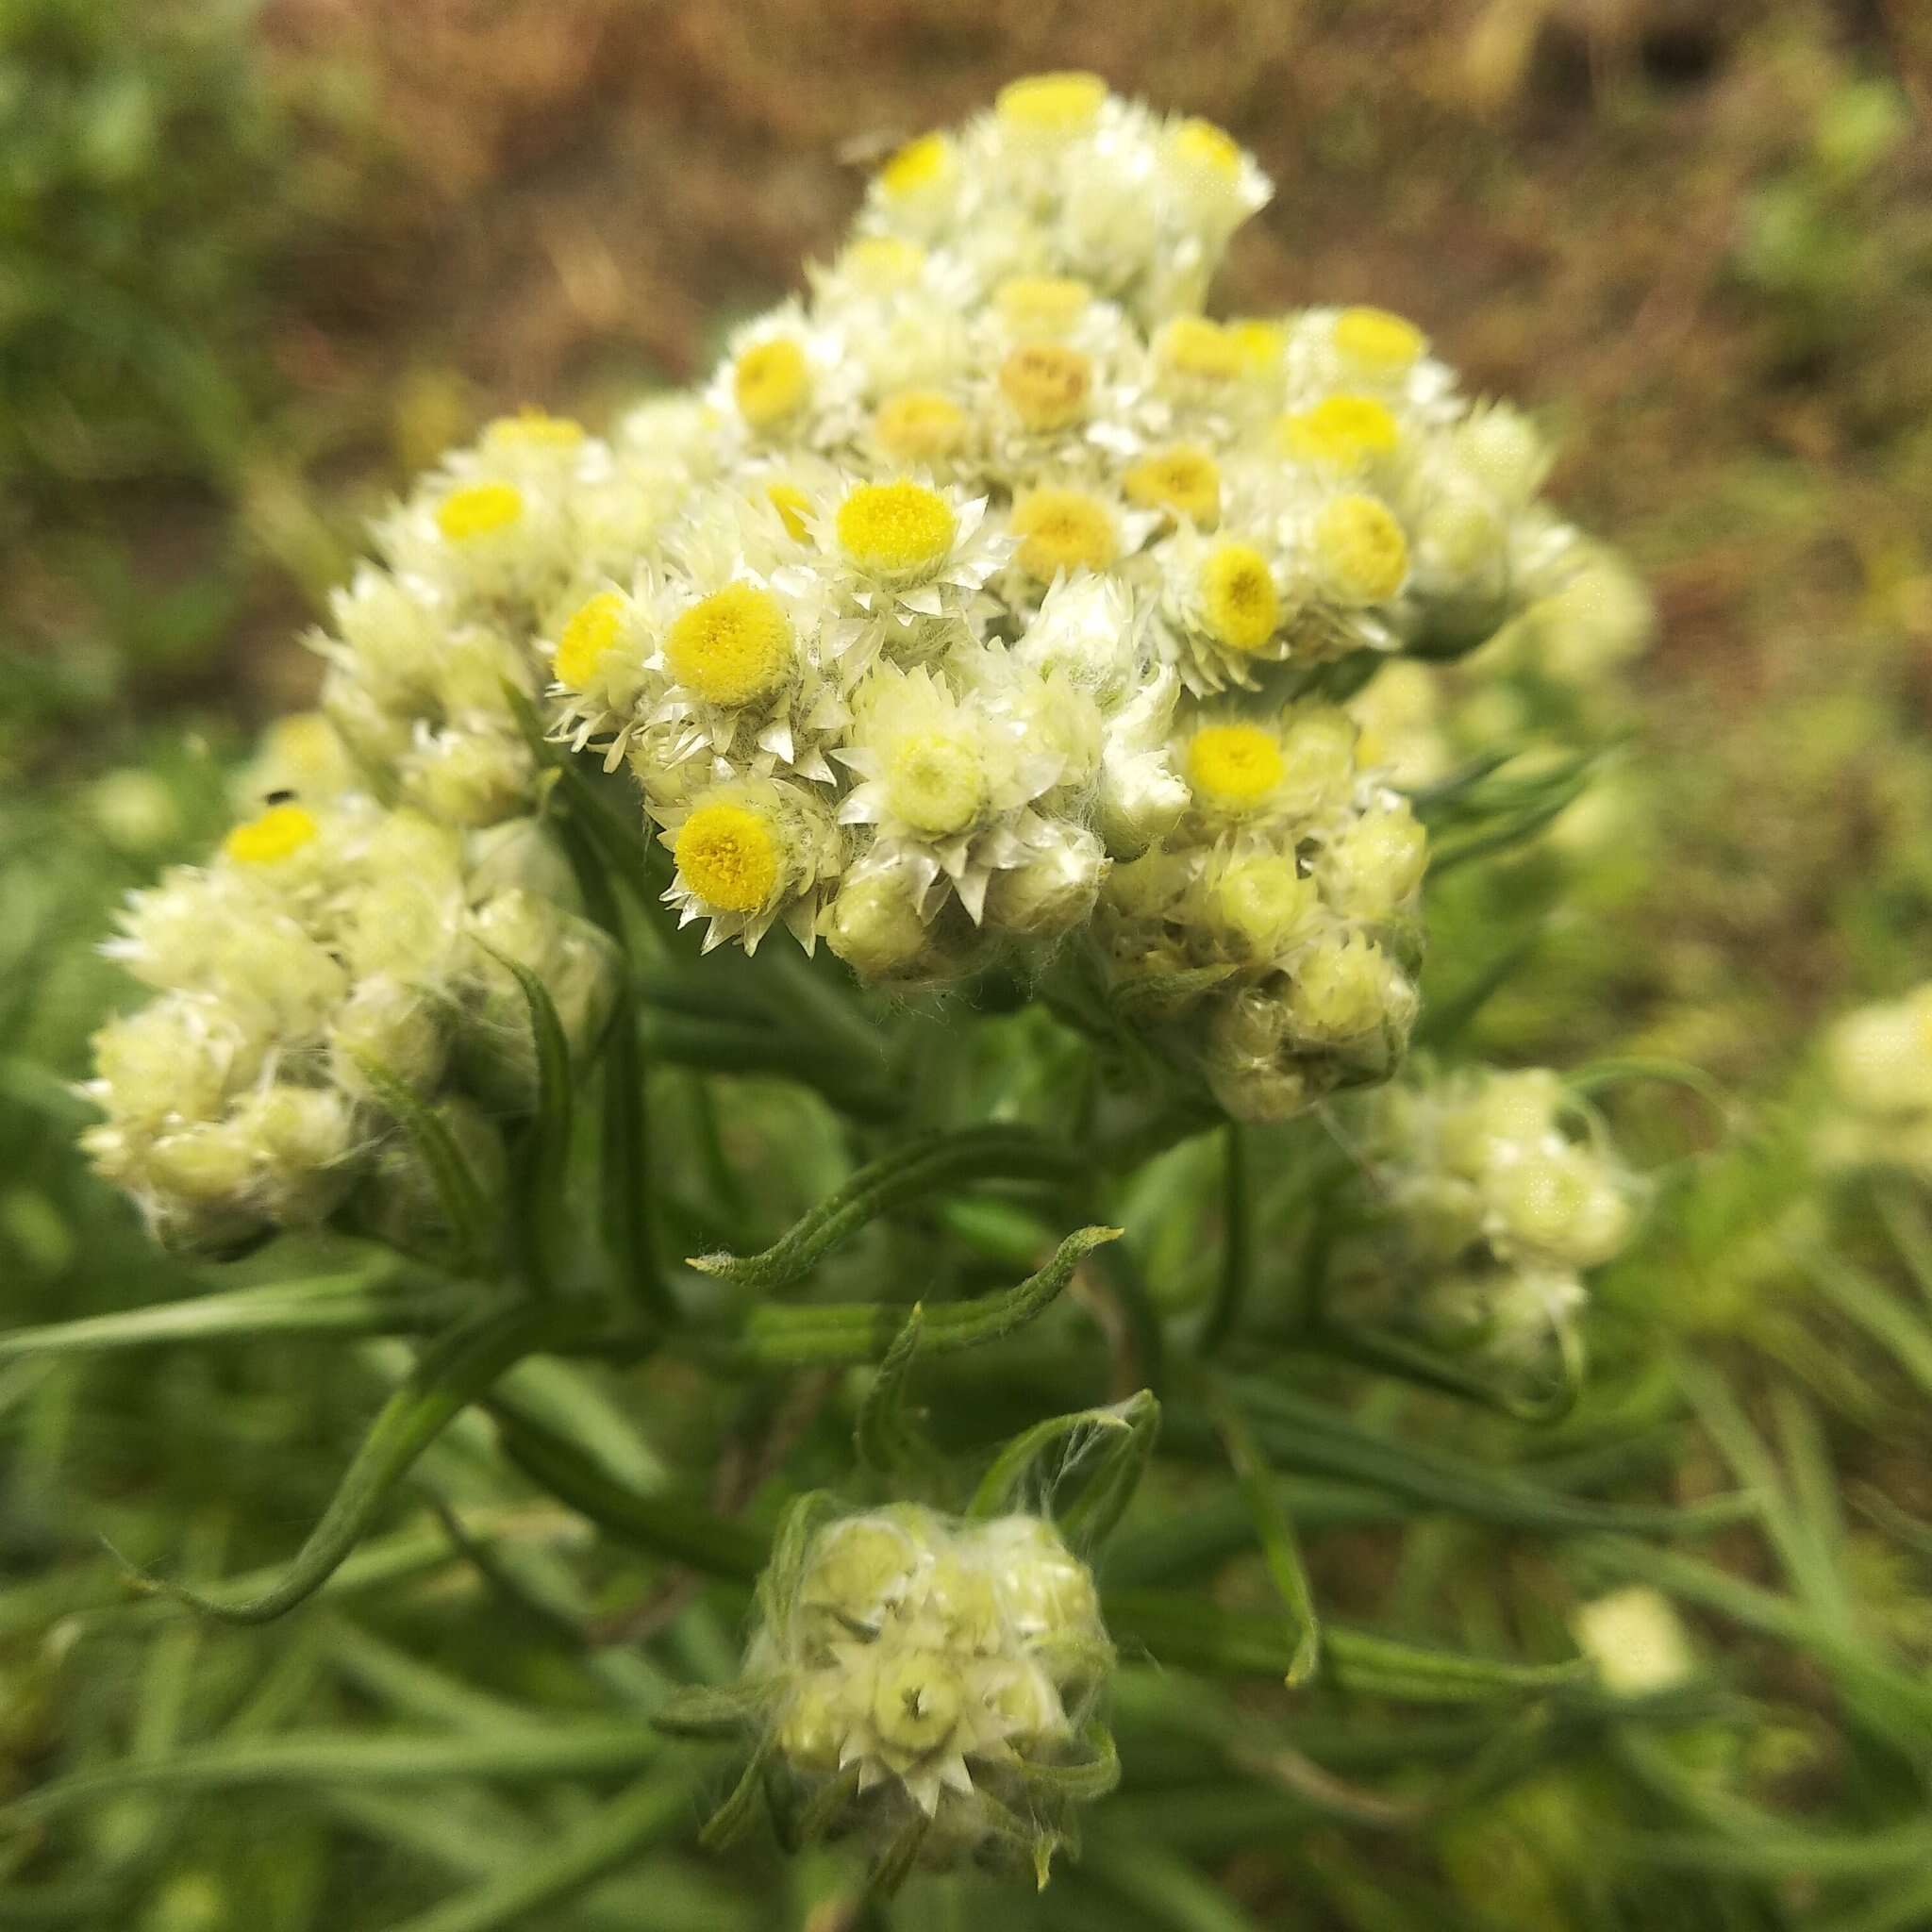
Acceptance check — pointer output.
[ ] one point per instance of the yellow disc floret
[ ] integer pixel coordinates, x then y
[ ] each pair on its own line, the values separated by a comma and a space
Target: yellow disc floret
280, 833
918, 424
1061, 104
1340, 432
1377, 340
1063, 530
918, 165
728, 856
935, 783
1360, 550
532, 428
732, 647
478, 509
1260, 344
1234, 768
1041, 305
1238, 602
591, 631
1191, 345
770, 381
1046, 384
896, 529
1199, 143
1185, 482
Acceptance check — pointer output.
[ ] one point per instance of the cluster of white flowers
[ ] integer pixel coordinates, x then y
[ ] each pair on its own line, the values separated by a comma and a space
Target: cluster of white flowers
938, 1664
1500, 1192
1879, 1061
329, 945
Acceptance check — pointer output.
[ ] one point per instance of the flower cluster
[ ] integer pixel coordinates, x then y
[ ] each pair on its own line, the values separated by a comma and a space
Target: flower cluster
1499, 1192
938, 1667
1879, 1061
331, 951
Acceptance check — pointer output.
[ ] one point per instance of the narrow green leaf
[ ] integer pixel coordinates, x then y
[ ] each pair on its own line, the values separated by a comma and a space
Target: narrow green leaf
1237, 1243
709, 1711
1083, 1782
884, 1440
465, 1206
1280, 1547
667, 1527
1429, 1368
546, 1160
737, 1815
922, 1166
1889, 1318
453, 1373
833, 1335
625, 1176
1081, 1468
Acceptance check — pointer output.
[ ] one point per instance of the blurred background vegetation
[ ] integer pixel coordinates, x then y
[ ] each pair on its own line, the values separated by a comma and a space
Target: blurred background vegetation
260, 260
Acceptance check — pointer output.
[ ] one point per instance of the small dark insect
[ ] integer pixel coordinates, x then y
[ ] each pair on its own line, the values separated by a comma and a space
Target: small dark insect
281, 796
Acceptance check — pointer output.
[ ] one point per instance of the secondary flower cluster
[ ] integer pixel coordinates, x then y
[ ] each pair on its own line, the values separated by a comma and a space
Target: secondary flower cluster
1500, 1194
329, 947
1879, 1058
939, 1667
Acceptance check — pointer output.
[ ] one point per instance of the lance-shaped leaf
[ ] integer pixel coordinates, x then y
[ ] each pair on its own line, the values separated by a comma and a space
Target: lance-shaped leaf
452, 1375
843, 1334
1508, 1392
1082, 1467
885, 1440
736, 1816
1280, 1548
361, 1303
923, 1166
1303, 1435
545, 1157
465, 1206
669, 1526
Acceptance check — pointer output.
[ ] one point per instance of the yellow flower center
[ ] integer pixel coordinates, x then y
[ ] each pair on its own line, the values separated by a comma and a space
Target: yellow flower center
1041, 305
1062, 531
1239, 598
1363, 551
1192, 345
1234, 766
732, 647
793, 506
591, 631
1378, 340
1051, 103
1342, 432
770, 380
533, 429
917, 1701
1199, 143
280, 833
1046, 384
884, 262
728, 857
477, 509
918, 164
935, 783
919, 424
1185, 482
1260, 344
896, 529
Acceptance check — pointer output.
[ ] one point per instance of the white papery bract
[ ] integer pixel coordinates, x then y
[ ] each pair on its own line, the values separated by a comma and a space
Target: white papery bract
1878, 1059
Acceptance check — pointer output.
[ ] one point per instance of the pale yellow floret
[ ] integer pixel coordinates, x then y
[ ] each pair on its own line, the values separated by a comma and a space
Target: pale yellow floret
728, 856
935, 783
1202, 144
1377, 340
1240, 605
793, 506
732, 647
1041, 305
1234, 768
478, 509
1058, 104
280, 833
917, 165
1046, 384
591, 631
1192, 346
1362, 551
770, 382
896, 529
532, 428
1063, 530
305, 745
1260, 344
883, 262
1340, 432
1182, 481
918, 424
